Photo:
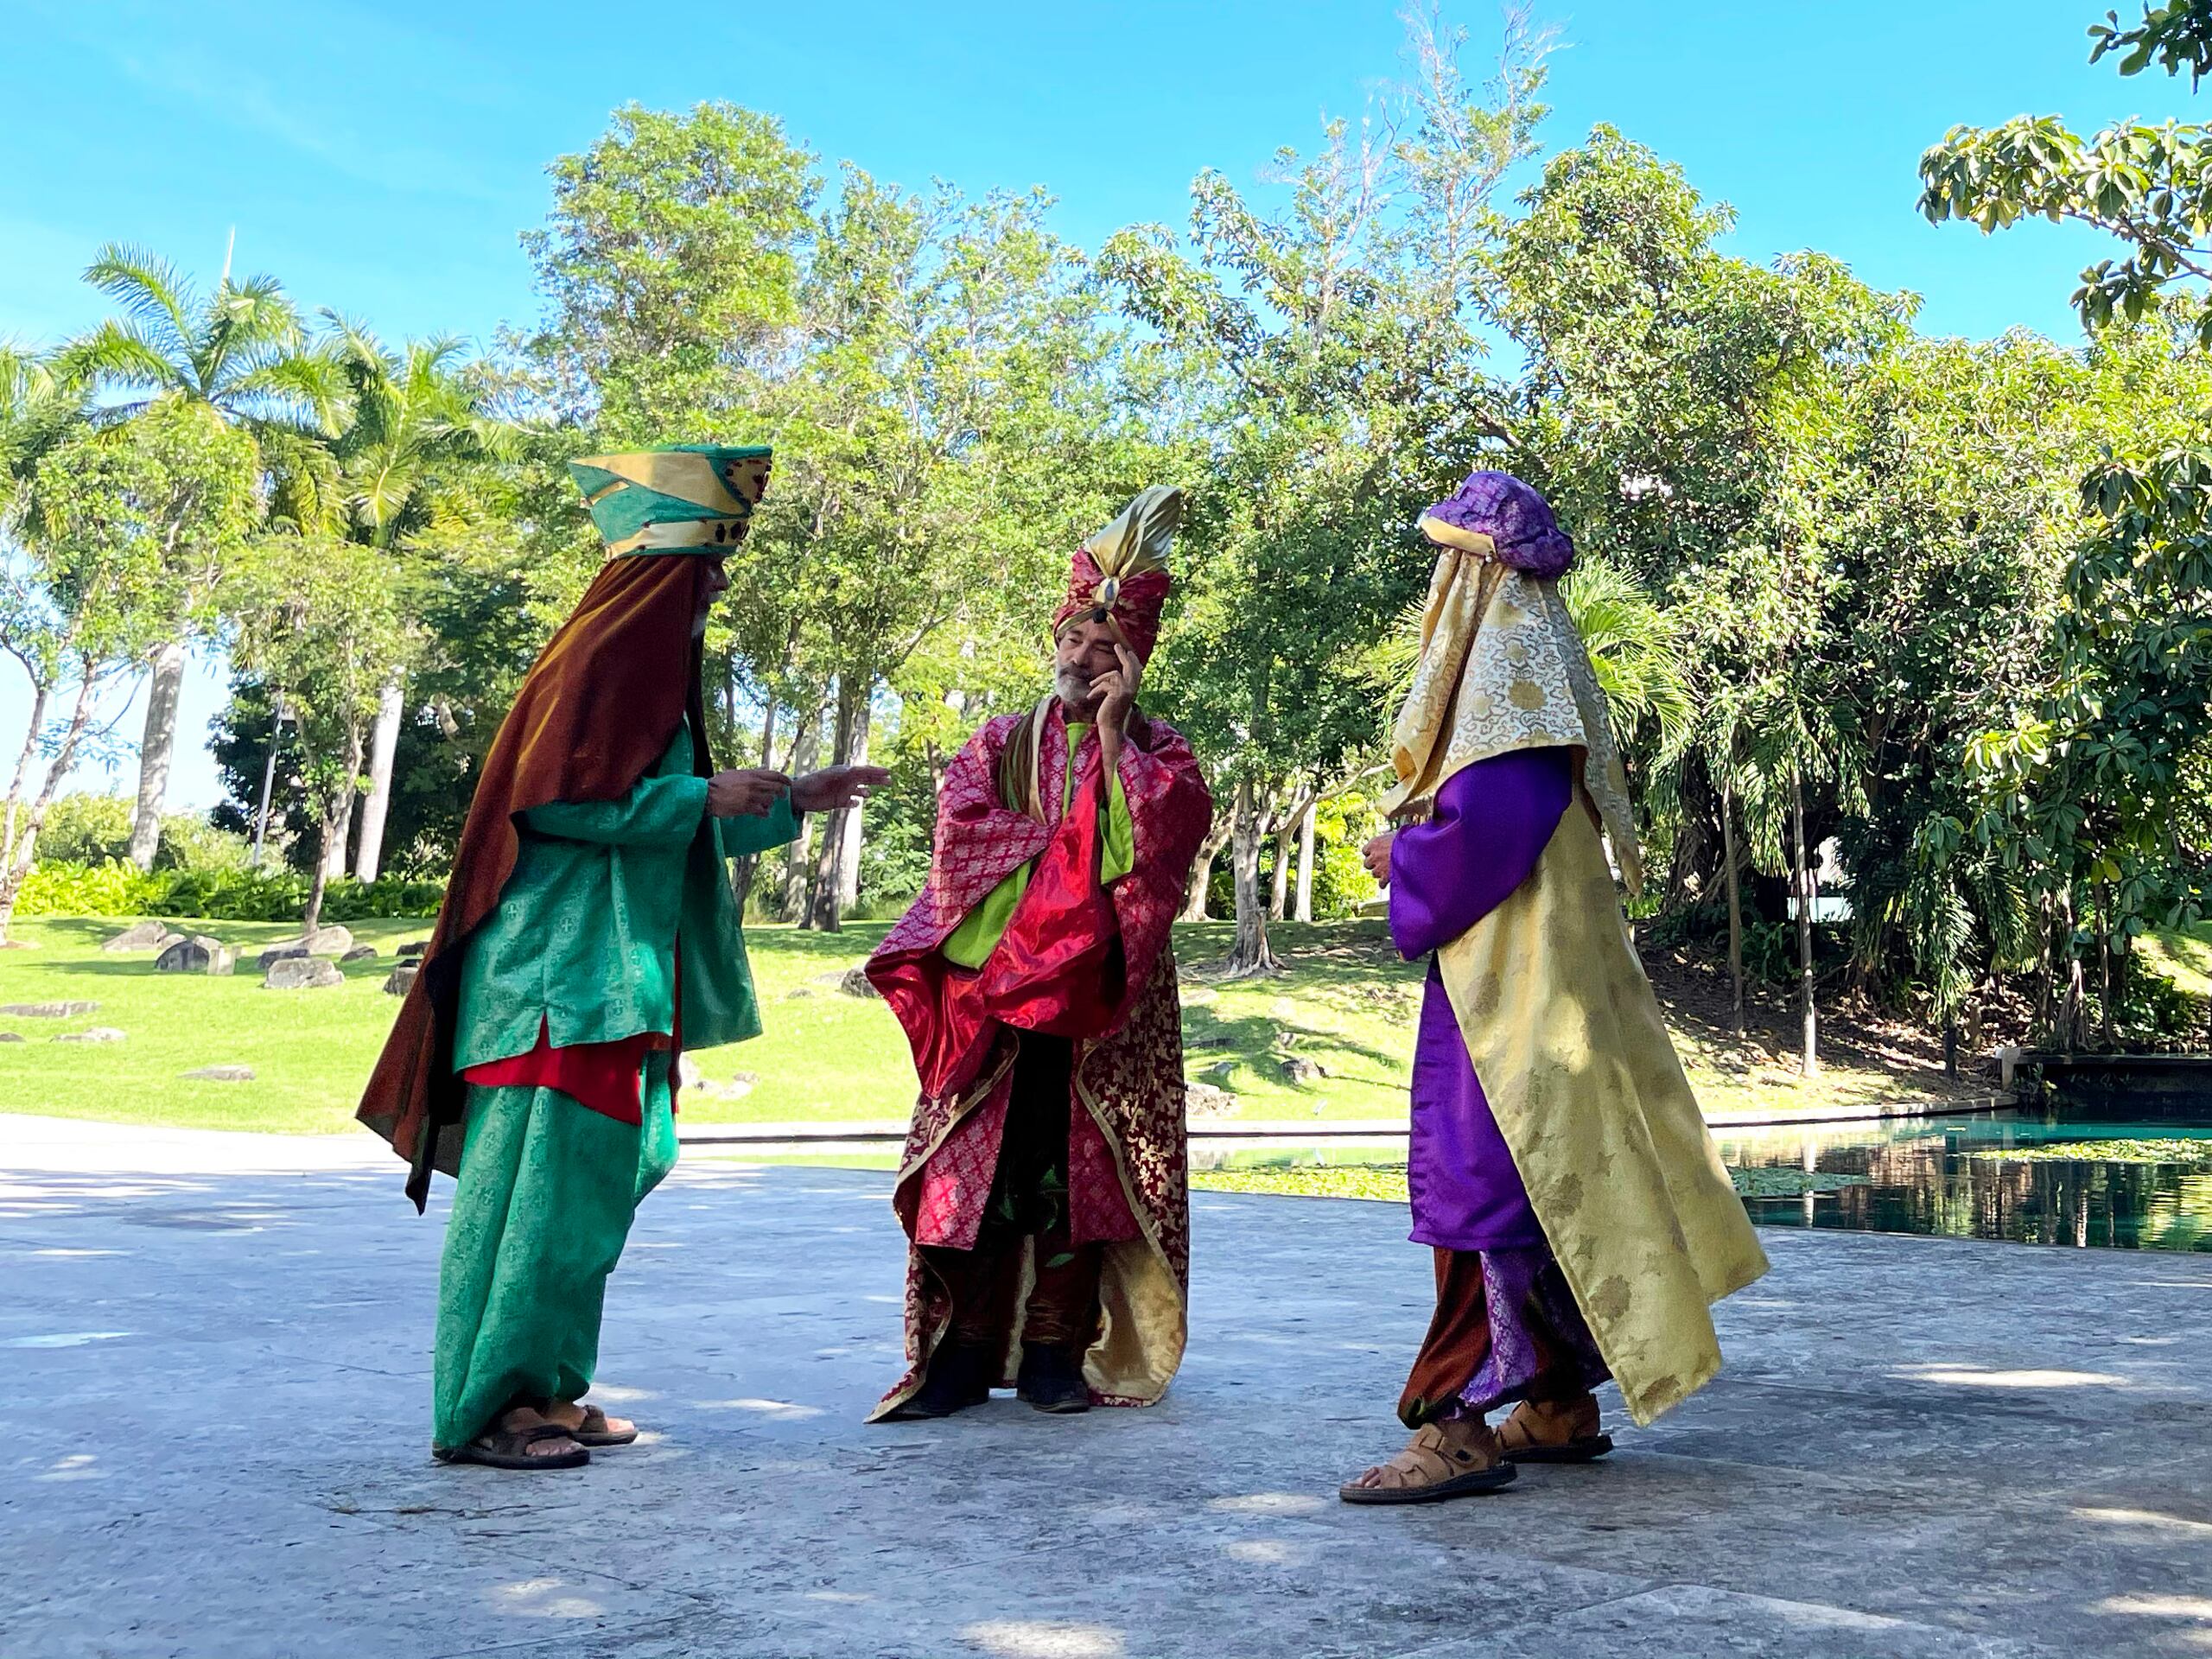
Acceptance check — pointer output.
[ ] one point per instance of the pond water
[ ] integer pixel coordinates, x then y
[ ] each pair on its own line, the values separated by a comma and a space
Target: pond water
1938, 1175
1951, 1176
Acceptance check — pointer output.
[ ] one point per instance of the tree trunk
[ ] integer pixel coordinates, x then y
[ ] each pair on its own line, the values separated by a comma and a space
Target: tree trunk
1251, 954
156, 749
1306, 861
383, 743
742, 870
1279, 893
2070, 1013
849, 820
337, 824
1735, 884
1807, 891
267, 781
2104, 966
332, 863
821, 905
804, 747
17, 869
39, 696
331, 835
1194, 896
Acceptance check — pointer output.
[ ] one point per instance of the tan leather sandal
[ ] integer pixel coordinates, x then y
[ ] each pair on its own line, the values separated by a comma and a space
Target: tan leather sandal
1554, 1432
1453, 1459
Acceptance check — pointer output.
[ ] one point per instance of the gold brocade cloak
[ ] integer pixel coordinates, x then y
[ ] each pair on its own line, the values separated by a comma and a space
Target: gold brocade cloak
1553, 1004
1566, 1039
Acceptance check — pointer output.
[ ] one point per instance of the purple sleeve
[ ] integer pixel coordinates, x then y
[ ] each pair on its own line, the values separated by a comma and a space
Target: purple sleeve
1492, 820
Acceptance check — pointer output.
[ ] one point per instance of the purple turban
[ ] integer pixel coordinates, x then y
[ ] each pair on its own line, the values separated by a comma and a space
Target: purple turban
1515, 518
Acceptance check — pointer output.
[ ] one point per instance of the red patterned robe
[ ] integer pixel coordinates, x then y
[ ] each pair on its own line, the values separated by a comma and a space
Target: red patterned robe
1089, 962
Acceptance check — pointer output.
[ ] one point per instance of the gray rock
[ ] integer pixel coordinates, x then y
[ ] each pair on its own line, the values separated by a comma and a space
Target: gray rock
11, 1036
290, 950
414, 947
360, 953
144, 936
220, 1074
332, 941
200, 955
400, 980
48, 1010
736, 1089
300, 974
855, 984
90, 1034
1204, 1100
1299, 1069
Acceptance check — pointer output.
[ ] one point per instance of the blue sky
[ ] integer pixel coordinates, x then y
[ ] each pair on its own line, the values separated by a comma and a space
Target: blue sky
382, 160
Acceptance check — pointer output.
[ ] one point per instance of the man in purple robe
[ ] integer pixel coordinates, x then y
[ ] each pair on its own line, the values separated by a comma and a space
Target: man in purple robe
1509, 755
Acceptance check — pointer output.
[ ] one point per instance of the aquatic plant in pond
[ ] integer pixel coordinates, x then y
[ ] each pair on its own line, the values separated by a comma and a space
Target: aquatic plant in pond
1381, 1181
1767, 1183
2197, 1153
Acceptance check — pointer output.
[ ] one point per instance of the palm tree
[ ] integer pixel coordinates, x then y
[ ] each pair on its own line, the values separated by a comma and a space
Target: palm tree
410, 457
239, 350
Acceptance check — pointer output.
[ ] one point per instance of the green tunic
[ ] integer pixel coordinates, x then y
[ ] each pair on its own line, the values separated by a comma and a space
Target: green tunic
587, 928
585, 941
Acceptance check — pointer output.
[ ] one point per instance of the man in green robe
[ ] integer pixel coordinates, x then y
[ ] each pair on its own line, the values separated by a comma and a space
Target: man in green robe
589, 933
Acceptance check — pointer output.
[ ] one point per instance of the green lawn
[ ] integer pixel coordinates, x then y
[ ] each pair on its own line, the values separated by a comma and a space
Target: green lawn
1346, 1004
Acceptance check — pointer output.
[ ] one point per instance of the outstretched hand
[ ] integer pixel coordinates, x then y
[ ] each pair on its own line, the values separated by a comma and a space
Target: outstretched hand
745, 794
835, 788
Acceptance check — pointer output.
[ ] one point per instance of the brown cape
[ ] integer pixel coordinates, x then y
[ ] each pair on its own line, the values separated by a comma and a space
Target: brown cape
597, 709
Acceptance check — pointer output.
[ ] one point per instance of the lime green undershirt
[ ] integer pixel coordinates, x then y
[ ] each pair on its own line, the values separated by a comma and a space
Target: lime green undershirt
971, 943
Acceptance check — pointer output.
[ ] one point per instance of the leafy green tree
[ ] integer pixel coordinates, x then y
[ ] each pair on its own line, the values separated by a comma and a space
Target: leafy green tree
2096, 793
935, 377
320, 621
416, 457
113, 510
1327, 351
1682, 409
239, 354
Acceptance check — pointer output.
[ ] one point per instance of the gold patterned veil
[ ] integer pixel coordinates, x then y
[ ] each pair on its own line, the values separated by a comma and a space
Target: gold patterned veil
1502, 668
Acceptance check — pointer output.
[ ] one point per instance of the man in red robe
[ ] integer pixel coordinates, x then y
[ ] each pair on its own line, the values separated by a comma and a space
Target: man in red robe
1043, 1188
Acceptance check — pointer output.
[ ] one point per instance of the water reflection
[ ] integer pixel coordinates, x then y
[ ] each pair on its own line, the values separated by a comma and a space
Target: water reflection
1936, 1176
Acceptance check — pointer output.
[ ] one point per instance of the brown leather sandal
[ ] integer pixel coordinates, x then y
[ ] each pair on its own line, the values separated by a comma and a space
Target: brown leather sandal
509, 1448
1554, 1432
593, 1431
1438, 1463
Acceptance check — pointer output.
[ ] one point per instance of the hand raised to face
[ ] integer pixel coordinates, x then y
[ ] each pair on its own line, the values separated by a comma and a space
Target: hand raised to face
1117, 690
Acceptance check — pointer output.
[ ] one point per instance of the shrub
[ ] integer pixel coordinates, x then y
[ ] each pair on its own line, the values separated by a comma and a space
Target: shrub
193, 843
349, 900
89, 829
113, 887
94, 829
62, 887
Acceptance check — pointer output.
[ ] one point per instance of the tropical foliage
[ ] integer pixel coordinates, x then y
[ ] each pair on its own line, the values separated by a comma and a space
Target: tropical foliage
1912, 624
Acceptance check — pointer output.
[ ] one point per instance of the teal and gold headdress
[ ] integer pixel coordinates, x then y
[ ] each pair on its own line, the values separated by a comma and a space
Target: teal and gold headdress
682, 497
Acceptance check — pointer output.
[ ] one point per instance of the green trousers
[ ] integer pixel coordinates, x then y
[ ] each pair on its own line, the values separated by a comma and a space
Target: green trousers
547, 1192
